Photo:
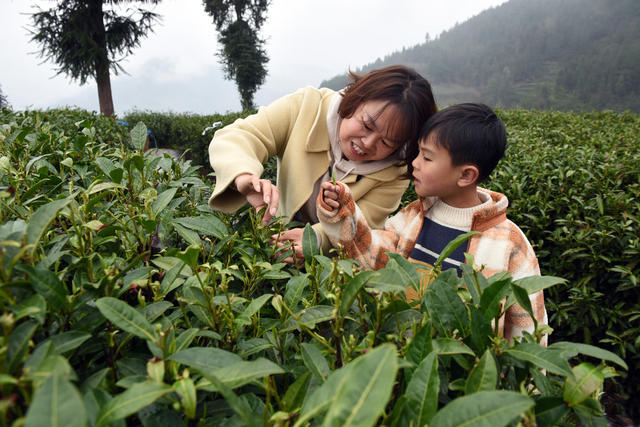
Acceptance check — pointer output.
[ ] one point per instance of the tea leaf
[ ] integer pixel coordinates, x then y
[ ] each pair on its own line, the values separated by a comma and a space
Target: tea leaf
295, 287
444, 304
309, 317
365, 389
449, 346
209, 225
67, 341
587, 380
56, 403
534, 284
550, 410
481, 331
352, 288
41, 219
573, 348
309, 242
186, 389
131, 401
295, 394
171, 279
453, 245
18, 345
522, 297
101, 187
420, 346
240, 373
139, 136
391, 278
205, 358
409, 271
315, 361
492, 296
482, 409
190, 236
422, 390
47, 284
237, 404
484, 376
541, 357
254, 306
163, 201
126, 317
106, 165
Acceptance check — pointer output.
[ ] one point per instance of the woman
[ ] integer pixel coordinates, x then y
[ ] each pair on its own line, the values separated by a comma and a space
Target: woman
358, 135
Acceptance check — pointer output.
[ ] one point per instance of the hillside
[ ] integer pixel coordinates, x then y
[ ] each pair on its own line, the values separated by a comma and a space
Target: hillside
544, 54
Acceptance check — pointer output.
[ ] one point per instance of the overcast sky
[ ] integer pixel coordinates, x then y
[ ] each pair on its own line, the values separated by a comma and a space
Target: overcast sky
175, 68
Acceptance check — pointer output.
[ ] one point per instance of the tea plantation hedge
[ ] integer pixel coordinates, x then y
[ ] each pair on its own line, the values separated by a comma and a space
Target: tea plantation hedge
182, 131
573, 181
124, 296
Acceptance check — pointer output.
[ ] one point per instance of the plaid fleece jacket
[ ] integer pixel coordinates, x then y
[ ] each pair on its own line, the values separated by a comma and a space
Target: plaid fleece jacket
501, 247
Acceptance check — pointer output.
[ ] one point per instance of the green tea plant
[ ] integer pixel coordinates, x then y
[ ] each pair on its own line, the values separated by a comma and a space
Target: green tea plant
573, 181
183, 131
125, 300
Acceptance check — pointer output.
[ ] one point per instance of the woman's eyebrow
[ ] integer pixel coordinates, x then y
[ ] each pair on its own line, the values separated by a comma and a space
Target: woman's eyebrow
371, 122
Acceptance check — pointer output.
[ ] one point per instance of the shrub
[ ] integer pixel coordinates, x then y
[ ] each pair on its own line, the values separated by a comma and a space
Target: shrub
124, 297
182, 131
573, 182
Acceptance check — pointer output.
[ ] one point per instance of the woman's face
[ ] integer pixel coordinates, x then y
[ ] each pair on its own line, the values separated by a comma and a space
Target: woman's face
365, 135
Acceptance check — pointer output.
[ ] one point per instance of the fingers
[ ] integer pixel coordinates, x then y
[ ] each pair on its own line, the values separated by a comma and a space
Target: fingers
259, 192
332, 203
270, 197
330, 186
290, 240
330, 194
244, 182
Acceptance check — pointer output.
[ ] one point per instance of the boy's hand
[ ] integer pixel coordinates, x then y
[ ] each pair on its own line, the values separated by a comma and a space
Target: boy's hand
330, 194
259, 192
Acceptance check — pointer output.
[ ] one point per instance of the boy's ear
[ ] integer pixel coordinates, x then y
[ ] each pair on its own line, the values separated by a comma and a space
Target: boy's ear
468, 176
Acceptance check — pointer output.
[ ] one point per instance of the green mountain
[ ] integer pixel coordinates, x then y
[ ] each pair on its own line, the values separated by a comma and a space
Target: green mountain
578, 55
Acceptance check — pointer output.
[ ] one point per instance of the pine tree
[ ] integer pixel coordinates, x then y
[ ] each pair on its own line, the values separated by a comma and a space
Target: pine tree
3, 100
86, 40
242, 53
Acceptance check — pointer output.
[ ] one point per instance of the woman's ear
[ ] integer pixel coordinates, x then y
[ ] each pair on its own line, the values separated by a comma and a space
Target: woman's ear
468, 176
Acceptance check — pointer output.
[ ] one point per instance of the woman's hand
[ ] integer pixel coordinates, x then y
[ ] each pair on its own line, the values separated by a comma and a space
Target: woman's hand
330, 194
290, 239
259, 192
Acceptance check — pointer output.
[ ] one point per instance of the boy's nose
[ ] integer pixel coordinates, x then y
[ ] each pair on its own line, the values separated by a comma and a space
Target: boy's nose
414, 163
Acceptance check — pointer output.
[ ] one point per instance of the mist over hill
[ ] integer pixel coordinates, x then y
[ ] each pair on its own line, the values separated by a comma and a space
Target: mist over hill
578, 55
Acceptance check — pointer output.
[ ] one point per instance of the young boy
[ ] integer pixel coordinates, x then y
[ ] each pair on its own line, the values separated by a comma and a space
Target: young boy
458, 147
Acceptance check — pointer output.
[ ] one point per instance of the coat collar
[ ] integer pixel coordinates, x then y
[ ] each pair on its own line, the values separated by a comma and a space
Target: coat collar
483, 219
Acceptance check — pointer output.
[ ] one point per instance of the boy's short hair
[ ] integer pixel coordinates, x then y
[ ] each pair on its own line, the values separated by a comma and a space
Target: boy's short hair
471, 133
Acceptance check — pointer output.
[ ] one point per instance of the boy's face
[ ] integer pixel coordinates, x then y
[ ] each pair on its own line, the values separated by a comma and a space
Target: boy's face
433, 172
364, 135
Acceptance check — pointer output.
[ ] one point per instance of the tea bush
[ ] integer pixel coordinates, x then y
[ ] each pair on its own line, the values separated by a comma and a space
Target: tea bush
183, 131
573, 182
124, 299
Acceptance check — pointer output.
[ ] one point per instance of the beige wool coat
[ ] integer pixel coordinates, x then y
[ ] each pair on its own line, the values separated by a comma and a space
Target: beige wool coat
294, 128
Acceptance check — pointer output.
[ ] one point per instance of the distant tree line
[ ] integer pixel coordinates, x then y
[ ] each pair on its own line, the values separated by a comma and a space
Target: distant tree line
543, 54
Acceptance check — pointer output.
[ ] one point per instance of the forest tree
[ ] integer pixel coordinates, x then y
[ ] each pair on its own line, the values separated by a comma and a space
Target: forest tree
87, 40
242, 53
